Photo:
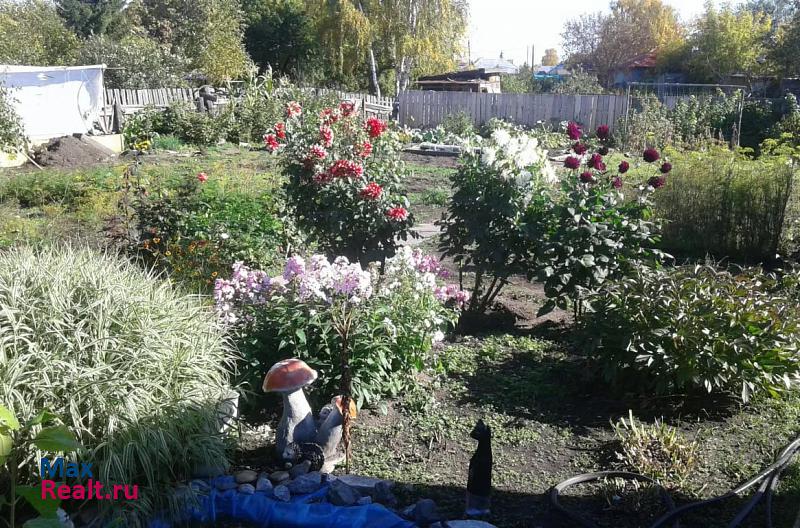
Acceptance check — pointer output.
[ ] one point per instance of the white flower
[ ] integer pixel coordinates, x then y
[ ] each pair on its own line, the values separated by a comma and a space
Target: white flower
390, 327
438, 336
224, 236
501, 137
489, 156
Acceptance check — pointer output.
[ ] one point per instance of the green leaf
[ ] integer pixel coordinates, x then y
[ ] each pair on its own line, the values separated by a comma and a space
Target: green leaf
7, 419
44, 417
6, 444
301, 335
57, 438
44, 507
41, 522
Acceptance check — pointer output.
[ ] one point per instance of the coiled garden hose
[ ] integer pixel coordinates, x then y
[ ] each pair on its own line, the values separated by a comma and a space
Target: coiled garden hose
767, 481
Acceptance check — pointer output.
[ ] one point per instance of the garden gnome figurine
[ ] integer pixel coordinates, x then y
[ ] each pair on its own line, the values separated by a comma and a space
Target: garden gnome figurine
479, 482
297, 425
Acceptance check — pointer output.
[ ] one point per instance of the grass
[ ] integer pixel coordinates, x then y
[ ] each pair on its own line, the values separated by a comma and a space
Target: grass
552, 419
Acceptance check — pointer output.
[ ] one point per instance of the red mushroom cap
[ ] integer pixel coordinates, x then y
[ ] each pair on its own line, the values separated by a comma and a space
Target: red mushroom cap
289, 375
337, 401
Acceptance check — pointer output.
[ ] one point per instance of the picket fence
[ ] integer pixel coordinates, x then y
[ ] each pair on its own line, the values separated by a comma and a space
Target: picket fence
423, 109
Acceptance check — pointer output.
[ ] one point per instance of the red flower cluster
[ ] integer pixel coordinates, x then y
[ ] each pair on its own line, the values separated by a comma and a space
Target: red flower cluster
624, 166
280, 130
372, 191
656, 182
329, 116
293, 108
666, 167
603, 132
364, 150
347, 108
202, 177
580, 148
375, 127
572, 162
574, 131
315, 153
346, 169
326, 136
397, 213
596, 162
587, 177
617, 182
271, 142
650, 155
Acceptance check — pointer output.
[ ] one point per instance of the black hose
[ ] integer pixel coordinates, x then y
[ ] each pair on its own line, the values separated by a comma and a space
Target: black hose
767, 480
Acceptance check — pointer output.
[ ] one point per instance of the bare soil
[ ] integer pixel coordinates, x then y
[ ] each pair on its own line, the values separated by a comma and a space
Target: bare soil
71, 151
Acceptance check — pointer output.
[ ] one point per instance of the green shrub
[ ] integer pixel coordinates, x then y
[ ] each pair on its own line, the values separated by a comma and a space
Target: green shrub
697, 327
388, 322
198, 128
435, 196
134, 368
198, 231
49, 186
459, 124
167, 142
12, 131
722, 204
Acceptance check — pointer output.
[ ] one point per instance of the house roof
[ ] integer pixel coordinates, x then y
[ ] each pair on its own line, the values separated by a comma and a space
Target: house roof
644, 60
498, 65
466, 75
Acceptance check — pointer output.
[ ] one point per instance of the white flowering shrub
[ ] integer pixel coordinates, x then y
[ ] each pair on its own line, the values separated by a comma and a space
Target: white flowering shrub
397, 317
494, 215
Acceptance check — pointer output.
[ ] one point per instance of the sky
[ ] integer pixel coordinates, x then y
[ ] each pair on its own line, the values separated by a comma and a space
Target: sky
511, 26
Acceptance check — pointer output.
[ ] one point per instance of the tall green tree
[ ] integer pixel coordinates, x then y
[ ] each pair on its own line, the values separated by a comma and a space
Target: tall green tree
210, 33
785, 54
280, 33
780, 11
727, 41
94, 17
32, 32
604, 43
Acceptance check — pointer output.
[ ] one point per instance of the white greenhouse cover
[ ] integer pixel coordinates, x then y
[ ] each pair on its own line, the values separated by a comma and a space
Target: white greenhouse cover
55, 101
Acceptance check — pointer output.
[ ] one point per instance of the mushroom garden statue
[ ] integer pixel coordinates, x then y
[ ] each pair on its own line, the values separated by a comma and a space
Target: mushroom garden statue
289, 377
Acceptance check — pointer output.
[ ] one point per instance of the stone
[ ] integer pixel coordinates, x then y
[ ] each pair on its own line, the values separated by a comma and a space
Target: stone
264, 484
382, 494
282, 493
304, 484
424, 512
245, 476
225, 482
363, 501
364, 485
247, 489
300, 469
466, 524
342, 494
200, 486
279, 477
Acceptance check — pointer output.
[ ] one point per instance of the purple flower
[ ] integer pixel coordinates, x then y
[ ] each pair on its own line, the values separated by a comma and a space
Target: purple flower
656, 182
294, 266
603, 150
624, 166
572, 162
650, 155
580, 148
666, 167
602, 131
595, 160
617, 182
574, 131
587, 177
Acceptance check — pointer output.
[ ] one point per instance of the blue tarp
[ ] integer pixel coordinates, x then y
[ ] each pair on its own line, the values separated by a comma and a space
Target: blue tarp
261, 511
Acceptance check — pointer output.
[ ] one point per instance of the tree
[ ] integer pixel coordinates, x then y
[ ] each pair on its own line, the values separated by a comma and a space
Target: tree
550, 57
784, 55
31, 32
93, 17
726, 42
135, 62
780, 11
603, 43
280, 33
209, 33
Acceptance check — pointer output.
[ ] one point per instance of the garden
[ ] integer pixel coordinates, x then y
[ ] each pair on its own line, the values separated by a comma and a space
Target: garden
280, 305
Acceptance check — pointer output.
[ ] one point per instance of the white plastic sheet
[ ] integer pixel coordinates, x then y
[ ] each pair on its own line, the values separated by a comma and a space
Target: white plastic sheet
55, 101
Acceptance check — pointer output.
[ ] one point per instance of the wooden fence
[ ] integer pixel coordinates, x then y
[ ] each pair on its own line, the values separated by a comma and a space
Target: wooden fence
138, 99
422, 109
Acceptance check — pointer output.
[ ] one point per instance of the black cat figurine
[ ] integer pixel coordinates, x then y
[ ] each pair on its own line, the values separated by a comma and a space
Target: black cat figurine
479, 482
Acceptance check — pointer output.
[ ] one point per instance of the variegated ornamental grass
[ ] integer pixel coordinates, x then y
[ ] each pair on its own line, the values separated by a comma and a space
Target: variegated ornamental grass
133, 366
